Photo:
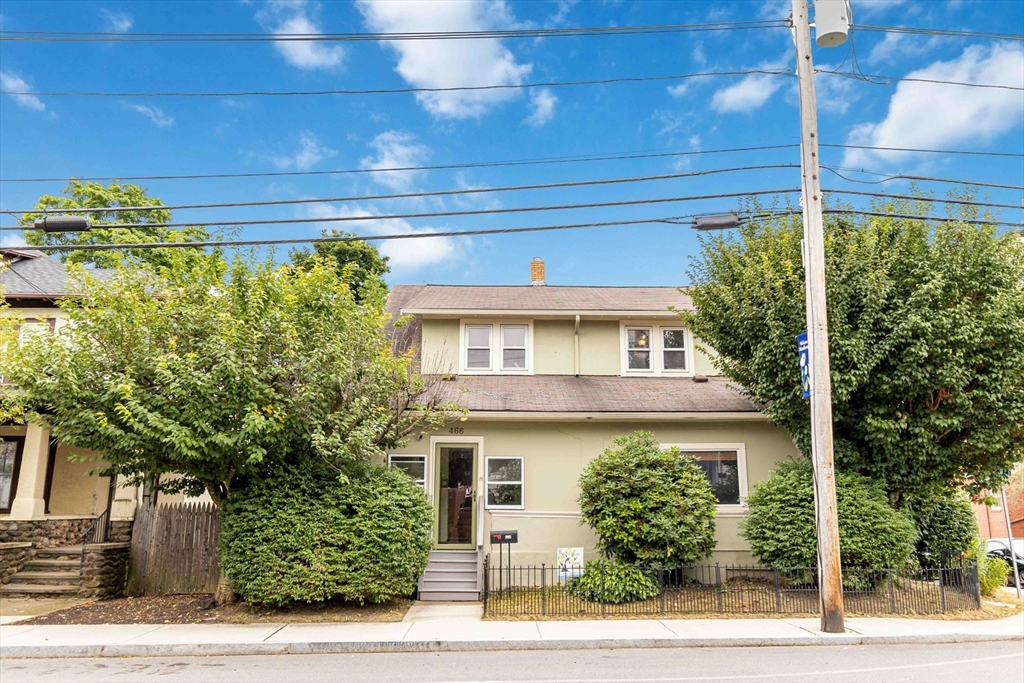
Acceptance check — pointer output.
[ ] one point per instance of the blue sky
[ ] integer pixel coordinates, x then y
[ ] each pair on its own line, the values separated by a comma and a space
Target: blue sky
44, 136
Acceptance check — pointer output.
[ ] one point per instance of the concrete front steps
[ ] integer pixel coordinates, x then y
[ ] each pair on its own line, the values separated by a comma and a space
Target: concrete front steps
451, 576
53, 572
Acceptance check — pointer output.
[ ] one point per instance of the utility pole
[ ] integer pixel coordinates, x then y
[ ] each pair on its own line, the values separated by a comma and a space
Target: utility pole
830, 580
1014, 567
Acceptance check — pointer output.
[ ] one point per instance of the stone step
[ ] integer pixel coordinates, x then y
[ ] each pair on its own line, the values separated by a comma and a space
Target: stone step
453, 595
46, 578
52, 565
61, 552
28, 590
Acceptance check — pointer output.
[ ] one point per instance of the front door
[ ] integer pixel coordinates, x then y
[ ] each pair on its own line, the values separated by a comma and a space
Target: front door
455, 495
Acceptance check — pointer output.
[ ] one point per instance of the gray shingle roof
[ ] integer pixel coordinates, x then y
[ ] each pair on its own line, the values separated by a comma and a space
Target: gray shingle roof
31, 275
595, 394
545, 298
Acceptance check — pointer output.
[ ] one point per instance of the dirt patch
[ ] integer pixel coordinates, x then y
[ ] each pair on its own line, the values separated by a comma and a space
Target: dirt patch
199, 609
27, 607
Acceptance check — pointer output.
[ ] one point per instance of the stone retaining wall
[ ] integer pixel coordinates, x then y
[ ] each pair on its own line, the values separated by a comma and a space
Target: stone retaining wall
104, 570
12, 557
120, 531
45, 533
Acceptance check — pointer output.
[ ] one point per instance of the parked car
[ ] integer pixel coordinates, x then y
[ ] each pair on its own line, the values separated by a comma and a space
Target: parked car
1000, 548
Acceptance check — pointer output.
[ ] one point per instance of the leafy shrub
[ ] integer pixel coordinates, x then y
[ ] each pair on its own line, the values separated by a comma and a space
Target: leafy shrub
782, 533
992, 571
308, 535
613, 583
648, 506
945, 523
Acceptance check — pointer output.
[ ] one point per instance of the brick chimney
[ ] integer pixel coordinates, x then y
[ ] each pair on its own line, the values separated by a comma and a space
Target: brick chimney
537, 272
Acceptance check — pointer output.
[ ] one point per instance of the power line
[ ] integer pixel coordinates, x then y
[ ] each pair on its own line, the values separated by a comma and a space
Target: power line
964, 202
97, 36
674, 220
901, 176
407, 195
443, 214
392, 91
938, 32
580, 158
882, 80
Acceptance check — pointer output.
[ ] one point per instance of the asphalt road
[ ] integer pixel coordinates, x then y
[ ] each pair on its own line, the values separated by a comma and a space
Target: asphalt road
1001, 662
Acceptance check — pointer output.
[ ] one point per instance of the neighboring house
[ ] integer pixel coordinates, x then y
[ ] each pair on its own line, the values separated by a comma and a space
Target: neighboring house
47, 498
992, 520
549, 375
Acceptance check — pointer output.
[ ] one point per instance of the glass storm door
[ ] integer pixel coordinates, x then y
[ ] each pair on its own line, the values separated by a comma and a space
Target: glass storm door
455, 495
10, 450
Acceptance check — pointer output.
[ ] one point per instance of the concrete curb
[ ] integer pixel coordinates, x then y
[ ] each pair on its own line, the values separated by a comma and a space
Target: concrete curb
362, 647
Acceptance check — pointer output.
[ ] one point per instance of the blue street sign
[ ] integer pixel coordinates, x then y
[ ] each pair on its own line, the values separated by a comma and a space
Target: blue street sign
805, 363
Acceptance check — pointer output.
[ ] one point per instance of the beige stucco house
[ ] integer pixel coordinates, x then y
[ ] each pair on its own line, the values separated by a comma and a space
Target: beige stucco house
47, 497
549, 376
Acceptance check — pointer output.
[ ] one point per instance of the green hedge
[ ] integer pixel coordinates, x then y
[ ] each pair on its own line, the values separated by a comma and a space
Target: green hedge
613, 583
945, 522
781, 529
308, 535
647, 505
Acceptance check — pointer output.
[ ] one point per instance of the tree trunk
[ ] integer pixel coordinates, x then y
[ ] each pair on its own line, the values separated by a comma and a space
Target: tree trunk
225, 594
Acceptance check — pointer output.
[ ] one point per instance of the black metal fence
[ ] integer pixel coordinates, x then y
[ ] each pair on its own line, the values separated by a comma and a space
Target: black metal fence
736, 589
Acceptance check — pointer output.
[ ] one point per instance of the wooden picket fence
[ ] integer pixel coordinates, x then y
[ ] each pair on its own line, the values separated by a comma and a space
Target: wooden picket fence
174, 549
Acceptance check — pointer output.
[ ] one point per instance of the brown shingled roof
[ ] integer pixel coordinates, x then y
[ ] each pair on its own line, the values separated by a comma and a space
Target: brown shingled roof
596, 394
544, 298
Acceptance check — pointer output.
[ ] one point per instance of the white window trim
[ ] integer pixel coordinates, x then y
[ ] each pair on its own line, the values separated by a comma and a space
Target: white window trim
426, 470
521, 482
741, 460
497, 339
657, 349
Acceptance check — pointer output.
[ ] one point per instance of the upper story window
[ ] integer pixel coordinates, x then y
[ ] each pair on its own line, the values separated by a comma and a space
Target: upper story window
497, 348
654, 349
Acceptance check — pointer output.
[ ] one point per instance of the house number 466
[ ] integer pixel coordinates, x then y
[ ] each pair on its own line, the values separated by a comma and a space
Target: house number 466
456, 430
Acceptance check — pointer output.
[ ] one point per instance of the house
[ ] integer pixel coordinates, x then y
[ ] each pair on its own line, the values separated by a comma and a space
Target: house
47, 498
992, 520
548, 376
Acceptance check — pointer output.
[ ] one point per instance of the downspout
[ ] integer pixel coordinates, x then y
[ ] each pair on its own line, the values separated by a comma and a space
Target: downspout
576, 348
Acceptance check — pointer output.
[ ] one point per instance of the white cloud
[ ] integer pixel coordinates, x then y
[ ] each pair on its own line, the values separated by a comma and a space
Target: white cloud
10, 81
699, 56
562, 10
396, 149
117, 22
404, 254
297, 16
899, 46
154, 114
12, 239
450, 63
543, 104
750, 93
678, 90
930, 115
309, 154
834, 94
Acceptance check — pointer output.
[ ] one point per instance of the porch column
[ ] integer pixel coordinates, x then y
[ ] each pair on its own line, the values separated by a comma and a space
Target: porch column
125, 498
28, 500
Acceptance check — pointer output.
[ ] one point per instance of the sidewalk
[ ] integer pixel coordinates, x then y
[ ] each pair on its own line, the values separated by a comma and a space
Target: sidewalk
453, 627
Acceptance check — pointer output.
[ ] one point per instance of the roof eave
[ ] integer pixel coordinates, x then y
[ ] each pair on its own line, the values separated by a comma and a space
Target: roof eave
537, 313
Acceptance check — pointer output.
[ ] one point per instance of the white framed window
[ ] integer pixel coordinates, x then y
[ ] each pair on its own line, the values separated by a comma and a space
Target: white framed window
505, 483
725, 466
656, 349
674, 354
478, 347
413, 465
638, 349
496, 347
513, 347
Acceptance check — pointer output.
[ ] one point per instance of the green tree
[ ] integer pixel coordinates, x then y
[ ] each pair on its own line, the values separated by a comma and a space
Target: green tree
362, 257
925, 327
90, 195
210, 373
648, 505
11, 409
945, 523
